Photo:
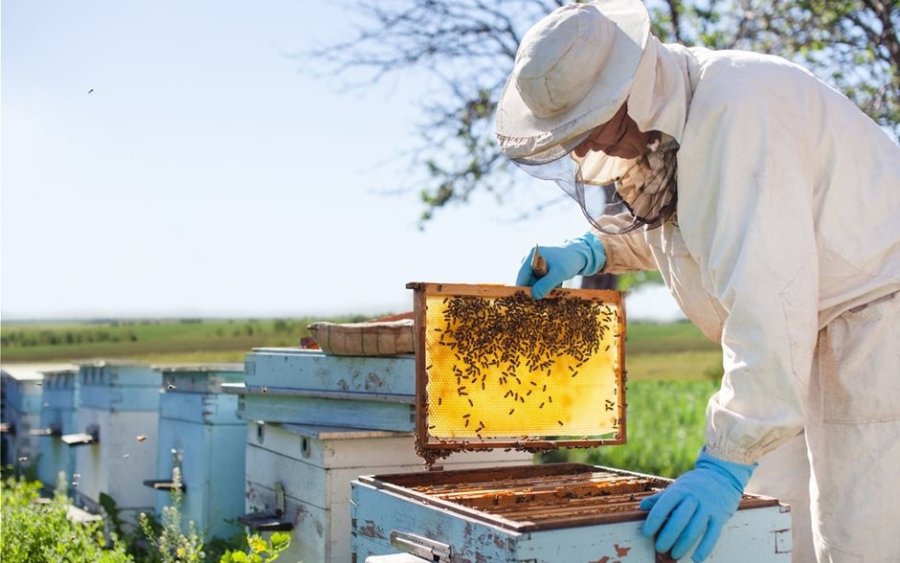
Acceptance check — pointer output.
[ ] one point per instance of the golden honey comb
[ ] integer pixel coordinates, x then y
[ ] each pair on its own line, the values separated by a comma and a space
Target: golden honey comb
502, 367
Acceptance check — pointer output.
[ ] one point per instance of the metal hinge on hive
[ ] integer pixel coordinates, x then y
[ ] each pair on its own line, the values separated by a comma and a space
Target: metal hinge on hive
270, 521
423, 547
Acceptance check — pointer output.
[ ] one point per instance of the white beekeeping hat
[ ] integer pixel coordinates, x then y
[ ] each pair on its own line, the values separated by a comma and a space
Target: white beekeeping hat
573, 71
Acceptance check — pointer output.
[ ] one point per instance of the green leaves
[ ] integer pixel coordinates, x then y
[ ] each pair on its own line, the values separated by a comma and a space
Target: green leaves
171, 543
666, 425
259, 550
632, 280
33, 531
469, 47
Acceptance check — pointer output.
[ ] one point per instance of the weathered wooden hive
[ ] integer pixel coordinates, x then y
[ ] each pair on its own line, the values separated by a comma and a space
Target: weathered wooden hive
201, 434
116, 436
496, 369
58, 418
310, 387
21, 388
315, 423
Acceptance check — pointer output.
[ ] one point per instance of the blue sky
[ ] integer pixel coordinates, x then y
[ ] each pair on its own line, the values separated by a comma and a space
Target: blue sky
171, 158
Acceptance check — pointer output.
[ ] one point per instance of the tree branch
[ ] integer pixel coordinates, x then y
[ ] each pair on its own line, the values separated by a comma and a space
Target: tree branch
674, 9
470, 46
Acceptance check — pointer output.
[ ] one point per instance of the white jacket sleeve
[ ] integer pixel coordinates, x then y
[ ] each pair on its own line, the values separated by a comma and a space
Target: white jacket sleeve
746, 212
628, 252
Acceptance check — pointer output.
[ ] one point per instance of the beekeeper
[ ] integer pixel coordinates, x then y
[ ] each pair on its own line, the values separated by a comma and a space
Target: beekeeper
771, 206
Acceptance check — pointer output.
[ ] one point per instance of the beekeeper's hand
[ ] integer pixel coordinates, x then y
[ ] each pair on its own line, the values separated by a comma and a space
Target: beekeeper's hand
697, 505
581, 256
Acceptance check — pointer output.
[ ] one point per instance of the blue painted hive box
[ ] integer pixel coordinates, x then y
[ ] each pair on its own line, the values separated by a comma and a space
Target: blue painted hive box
298, 480
201, 434
552, 513
116, 435
58, 418
496, 369
292, 385
21, 385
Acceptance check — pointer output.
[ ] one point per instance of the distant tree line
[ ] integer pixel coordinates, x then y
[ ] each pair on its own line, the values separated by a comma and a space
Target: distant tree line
285, 330
27, 338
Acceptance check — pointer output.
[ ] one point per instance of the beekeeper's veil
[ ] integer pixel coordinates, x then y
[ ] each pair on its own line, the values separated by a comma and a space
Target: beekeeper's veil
574, 70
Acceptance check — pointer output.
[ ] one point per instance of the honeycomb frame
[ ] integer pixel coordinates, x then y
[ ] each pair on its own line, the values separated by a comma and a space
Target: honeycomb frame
448, 415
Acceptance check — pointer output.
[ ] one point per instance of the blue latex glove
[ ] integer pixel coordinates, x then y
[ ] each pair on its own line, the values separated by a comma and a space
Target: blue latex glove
698, 503
581, 256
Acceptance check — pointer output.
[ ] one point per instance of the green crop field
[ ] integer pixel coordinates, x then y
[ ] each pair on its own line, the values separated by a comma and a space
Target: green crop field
155, 341
665, 426
178, 340
672, 370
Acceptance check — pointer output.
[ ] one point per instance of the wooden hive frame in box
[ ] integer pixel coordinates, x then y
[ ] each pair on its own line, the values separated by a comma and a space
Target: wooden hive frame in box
490, 360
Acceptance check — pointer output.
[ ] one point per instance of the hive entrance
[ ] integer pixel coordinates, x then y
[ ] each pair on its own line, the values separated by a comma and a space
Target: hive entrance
498, 369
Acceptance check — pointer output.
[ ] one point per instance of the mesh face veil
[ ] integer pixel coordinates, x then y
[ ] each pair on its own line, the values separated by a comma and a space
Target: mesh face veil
541, 119
616, 195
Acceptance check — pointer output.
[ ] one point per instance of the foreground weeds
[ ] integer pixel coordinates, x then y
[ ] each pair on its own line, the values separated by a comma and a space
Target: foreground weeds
38, 530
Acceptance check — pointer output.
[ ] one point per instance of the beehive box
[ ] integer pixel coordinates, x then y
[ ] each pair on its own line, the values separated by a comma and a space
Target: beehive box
310, 387
22, 390
58, 418
116, 438
538, 514
497, 369
201, 434
298, 479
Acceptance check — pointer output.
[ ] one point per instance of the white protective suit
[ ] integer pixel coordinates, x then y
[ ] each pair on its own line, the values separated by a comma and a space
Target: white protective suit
785, 248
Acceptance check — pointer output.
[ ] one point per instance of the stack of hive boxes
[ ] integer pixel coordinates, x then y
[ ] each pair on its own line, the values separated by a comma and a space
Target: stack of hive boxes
111, 427
116, 436
315, 423
201, 434
21, 413
58, 418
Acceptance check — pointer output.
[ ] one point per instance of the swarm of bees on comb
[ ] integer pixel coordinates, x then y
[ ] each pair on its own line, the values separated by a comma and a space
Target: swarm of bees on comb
508, 366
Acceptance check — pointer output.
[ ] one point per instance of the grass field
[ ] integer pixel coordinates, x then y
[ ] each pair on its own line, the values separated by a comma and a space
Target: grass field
665, 427
672, 371
155, 341
654, 351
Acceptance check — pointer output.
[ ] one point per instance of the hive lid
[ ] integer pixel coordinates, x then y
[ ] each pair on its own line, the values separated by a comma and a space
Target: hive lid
497, 369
